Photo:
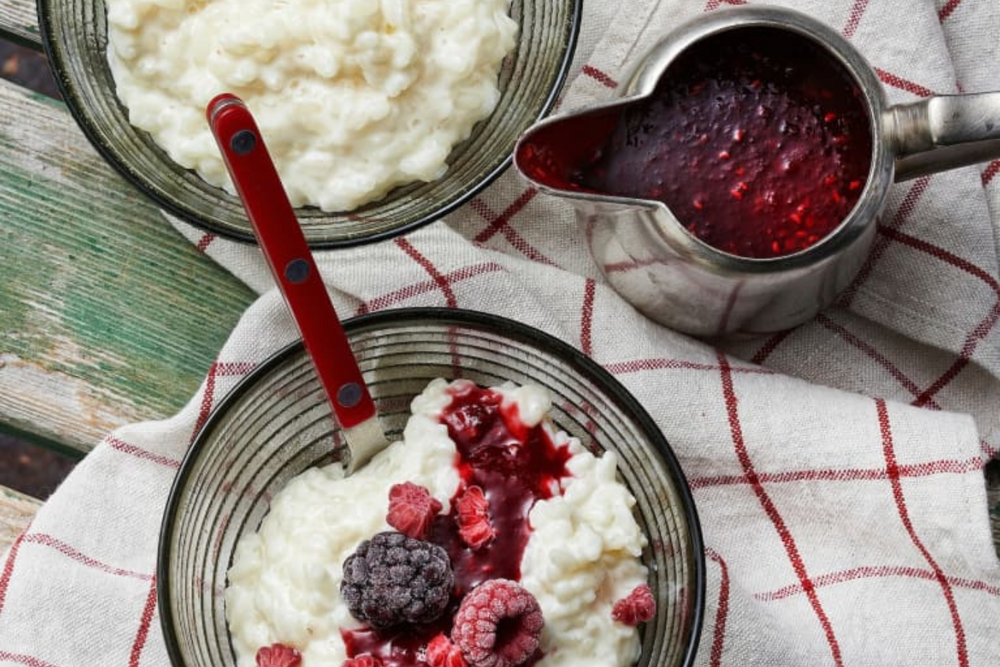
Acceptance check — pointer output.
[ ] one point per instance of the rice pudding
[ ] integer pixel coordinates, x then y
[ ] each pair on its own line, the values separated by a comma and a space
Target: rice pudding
527, 519
353, 97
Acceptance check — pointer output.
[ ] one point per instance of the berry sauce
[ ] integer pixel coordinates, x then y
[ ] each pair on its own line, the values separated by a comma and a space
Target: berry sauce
515, 465
756, 139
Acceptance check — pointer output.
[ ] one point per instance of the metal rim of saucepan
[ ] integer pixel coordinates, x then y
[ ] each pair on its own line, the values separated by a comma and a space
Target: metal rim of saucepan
516, 331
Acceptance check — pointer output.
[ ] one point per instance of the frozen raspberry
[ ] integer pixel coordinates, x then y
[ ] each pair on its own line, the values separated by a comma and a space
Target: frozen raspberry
412, 509
278, 655
393, 579
474, 525
363, 660
498, 624
442, 653
637, 607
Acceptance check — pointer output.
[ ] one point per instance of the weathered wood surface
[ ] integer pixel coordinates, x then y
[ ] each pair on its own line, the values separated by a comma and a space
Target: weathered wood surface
16, 511
107, 315
19, 22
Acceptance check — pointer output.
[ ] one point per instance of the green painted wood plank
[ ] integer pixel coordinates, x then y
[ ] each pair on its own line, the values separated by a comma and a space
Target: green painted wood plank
19, 22
107, 315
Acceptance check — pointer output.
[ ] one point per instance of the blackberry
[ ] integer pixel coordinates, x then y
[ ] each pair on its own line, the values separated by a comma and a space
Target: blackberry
392, 579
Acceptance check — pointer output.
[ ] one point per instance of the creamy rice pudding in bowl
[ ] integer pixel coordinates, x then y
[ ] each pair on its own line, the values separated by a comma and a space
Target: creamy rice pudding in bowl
381, 115
528, 513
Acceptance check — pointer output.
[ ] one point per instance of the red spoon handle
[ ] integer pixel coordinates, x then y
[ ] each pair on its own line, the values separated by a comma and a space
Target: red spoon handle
291, 262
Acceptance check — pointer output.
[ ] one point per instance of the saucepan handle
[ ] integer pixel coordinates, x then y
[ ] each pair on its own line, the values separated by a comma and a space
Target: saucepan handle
944, 132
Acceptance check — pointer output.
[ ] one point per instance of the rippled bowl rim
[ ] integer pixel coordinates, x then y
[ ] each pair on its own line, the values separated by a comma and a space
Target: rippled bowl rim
576, 360
74, 103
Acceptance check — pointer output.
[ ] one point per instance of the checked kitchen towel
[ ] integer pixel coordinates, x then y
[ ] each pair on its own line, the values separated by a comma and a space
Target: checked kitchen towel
837, 468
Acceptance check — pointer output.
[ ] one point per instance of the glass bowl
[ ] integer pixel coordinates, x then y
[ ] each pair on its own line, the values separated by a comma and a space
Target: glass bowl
277, 423
74, 33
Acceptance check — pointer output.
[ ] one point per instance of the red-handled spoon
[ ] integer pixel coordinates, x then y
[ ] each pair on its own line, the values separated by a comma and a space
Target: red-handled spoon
294, 269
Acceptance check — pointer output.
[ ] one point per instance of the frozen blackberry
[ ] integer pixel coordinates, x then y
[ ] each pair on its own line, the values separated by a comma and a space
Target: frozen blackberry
392, 579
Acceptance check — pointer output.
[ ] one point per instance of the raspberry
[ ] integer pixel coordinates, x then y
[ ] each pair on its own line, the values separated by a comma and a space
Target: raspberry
442, 653
363, 660
637, 607
474, 525
412, 509
499, 624
278, 655
393, 579
470, 421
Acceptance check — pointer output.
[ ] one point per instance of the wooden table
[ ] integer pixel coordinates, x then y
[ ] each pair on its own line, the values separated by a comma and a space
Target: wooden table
103, 315
102, 305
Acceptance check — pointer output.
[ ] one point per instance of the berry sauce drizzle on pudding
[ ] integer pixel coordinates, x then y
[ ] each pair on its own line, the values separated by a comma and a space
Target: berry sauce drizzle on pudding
756, 139
514, 464
510, 466
485, 538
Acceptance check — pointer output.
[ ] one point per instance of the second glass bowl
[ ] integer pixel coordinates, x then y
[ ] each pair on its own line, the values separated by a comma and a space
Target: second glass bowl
74, 33
277, 423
